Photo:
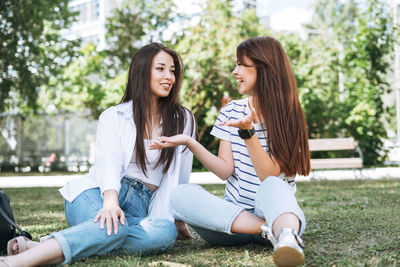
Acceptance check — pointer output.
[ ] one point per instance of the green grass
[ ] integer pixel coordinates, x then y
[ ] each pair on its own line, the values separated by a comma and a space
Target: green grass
349, 223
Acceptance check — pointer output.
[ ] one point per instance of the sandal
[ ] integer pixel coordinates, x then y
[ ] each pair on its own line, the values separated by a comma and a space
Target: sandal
22, 246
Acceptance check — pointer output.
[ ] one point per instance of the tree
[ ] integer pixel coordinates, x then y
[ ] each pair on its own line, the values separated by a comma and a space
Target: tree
31, 49
367, 65
343, 73
208, 49
133, 23
86, 83
96, 79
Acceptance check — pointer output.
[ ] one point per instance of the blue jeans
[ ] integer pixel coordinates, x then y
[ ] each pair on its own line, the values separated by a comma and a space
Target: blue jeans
212, 217
140, 235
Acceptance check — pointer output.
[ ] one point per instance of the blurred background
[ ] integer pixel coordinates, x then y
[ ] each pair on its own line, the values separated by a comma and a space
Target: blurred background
63, 62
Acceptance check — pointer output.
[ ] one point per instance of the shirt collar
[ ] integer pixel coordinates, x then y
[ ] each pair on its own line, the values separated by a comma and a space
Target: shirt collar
125, 109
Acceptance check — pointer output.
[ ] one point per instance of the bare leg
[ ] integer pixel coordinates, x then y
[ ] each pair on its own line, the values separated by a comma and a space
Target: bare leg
247, 223
47, 252
285, 220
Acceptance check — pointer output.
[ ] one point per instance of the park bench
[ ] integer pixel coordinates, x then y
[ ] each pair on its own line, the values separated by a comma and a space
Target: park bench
336, 144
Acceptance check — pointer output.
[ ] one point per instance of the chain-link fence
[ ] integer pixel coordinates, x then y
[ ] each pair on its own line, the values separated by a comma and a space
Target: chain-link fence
61, 142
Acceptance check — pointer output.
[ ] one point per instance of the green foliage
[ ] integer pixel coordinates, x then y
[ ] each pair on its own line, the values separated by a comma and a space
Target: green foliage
133, 23
208, 49
87, 84
340, 69
366, 66
344, 71
96, 79
124, 28
31, 49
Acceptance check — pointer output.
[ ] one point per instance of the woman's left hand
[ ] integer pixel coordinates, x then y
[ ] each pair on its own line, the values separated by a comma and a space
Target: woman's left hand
111, 212
183, 231
244, 123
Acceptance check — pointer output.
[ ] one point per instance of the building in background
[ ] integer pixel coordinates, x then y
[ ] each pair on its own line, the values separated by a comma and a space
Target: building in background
91, 22
90, 25
263, 12
260, 6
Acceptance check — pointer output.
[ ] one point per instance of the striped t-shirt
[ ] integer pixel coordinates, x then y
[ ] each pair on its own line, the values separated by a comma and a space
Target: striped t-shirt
242, 185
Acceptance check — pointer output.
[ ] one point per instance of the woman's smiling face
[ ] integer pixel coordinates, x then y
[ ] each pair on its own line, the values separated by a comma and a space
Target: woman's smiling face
162, 75
246, 76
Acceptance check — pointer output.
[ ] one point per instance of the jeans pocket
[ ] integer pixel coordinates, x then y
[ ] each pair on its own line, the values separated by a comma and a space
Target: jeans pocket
133, 203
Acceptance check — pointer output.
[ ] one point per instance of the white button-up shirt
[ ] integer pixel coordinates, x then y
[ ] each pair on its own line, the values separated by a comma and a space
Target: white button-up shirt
115, 142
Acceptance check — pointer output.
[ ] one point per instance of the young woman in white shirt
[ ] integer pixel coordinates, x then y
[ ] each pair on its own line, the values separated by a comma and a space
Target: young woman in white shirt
122, 205
263, 145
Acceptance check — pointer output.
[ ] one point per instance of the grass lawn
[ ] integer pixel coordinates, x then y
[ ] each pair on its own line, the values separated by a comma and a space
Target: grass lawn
349, 223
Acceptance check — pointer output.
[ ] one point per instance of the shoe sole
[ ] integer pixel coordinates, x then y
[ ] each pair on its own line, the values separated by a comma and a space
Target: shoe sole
288, 256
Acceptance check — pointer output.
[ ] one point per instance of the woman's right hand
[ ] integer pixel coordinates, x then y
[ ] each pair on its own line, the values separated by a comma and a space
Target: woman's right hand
172, 141
111, 213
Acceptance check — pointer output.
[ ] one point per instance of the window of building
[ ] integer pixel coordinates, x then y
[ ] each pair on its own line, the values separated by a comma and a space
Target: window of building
88, 11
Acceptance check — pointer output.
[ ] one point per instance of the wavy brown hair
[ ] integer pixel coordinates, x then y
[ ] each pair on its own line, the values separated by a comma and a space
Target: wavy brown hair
173, 115
277, 102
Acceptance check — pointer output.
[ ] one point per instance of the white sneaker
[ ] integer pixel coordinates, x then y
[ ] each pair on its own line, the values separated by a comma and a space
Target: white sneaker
288, 249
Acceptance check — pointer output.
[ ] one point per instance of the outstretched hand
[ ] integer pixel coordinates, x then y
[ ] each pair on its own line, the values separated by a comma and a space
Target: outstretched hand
244, 123
172, 141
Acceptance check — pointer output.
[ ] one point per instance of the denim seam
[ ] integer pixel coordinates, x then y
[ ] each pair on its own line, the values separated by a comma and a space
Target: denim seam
120, 195
145, 201
127, 197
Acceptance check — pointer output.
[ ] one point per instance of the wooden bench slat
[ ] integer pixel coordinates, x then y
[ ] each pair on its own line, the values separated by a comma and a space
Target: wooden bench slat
336, 163
330, 144
335, 144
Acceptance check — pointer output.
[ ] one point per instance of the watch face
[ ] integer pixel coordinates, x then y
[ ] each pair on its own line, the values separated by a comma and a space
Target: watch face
246, 134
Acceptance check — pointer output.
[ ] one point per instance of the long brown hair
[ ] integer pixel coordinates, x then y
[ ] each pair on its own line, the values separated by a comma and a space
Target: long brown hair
172, 113
276, 101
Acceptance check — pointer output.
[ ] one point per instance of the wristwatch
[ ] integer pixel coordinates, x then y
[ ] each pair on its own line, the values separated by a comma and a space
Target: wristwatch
246, 134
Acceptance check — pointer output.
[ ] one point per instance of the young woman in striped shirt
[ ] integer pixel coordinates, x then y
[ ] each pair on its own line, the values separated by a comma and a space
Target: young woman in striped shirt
263, 145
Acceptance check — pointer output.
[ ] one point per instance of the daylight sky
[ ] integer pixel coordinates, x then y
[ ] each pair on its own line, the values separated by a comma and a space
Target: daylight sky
284, 14
288, 14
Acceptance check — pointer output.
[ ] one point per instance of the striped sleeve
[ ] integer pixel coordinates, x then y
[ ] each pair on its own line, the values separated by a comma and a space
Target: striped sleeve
222, 132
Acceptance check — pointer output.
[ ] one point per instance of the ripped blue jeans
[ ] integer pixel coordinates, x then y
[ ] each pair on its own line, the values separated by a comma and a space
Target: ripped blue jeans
212, 217
140, 235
